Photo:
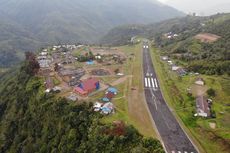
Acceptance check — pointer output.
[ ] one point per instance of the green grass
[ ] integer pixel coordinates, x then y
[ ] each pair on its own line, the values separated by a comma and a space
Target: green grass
175, 93
55, 81
122, 101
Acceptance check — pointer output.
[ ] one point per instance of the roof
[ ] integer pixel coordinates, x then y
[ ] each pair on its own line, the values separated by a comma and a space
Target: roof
199, 79
89, 84
105, 99
90, 62
79, 90
97, 105
202, 105
72, 97
109, 95
112, 89
181, 71
66, 72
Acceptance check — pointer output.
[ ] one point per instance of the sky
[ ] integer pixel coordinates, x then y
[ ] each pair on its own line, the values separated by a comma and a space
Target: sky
201, 7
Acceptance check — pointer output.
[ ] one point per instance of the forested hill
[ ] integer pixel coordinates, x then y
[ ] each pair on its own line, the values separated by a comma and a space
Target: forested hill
33, 122
197, 56
26, 25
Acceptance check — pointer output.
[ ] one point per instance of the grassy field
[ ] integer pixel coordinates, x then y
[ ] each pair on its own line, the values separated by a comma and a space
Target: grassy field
175, 92
130, 104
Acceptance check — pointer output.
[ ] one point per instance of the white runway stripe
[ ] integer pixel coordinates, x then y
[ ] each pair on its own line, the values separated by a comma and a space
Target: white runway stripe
149, 83
153, 83
156, 83
146, 83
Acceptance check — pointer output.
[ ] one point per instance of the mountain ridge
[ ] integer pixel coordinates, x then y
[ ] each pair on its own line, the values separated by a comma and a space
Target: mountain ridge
39, 22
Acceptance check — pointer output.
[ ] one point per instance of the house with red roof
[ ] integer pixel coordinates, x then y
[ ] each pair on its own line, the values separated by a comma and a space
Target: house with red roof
87, 86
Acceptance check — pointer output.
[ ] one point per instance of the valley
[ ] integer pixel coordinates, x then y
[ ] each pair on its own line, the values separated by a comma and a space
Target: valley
113, 76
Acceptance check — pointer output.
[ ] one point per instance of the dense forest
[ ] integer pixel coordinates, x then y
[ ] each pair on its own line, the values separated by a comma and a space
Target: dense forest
34, 122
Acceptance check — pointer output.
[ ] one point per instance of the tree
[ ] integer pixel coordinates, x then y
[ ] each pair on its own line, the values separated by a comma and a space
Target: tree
211, 92
56, 67
32, 66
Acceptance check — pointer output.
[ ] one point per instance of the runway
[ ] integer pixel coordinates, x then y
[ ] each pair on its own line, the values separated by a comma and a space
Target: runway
174, 138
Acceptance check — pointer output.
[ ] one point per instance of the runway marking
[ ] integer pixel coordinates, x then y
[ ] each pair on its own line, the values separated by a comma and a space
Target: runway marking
152, 82
149, 83
146, 84
156, 82
173, 151
154, 98
179, 152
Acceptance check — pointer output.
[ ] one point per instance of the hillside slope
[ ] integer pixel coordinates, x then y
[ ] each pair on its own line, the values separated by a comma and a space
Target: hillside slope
34, 122
209, 58
71, 21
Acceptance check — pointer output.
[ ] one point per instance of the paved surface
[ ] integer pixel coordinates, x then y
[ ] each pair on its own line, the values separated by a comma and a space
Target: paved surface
174, 138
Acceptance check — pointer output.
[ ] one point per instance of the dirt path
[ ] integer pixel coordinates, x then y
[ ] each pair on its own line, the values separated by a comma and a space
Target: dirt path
198, 90
120, 80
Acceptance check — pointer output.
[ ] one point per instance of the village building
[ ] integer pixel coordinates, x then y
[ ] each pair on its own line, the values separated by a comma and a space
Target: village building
98, 57
175, 67
72, 97
42, 57
44, 63
199, 81
165, 58
43, 53
71, 76
97, 106
107, 108
181, 72
170, 62
57, 89
113, 90
87, 86
108, 97
71, 72
120, 74
109, 94
202, 107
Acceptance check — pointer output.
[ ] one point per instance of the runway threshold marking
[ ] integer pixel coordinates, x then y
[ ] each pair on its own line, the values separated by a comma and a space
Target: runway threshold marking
149, 83
146, 84
156, 82
153, 83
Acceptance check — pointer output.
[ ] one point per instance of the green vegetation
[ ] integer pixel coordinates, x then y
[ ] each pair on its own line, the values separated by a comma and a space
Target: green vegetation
32, 121
128, 102
206, 58
29, 25
211, 92
207, 138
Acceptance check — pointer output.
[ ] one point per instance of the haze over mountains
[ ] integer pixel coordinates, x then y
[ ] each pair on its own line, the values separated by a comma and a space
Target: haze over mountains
28, 24
200, 7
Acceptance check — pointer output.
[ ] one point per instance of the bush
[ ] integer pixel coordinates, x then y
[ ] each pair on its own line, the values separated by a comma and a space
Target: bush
211, 92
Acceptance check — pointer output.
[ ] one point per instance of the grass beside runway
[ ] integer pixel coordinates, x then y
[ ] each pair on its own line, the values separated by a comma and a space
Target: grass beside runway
130, 103
174, 89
